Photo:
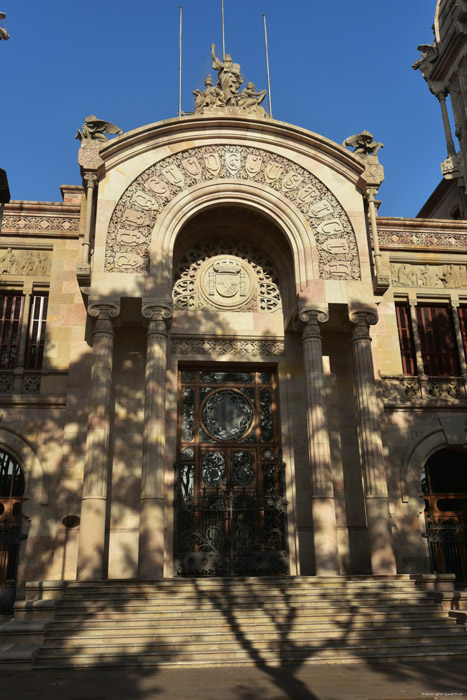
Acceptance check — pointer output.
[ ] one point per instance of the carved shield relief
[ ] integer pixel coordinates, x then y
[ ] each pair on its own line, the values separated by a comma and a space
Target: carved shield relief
226, 282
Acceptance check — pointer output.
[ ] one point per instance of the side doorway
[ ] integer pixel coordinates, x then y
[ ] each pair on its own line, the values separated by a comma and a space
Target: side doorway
230, 492
11, 500
444, 487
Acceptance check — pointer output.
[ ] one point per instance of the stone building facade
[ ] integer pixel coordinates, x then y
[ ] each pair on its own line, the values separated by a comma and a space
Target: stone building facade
217, 360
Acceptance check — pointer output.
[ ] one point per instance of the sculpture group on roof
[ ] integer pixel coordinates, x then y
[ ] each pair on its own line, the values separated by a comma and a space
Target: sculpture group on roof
226, 91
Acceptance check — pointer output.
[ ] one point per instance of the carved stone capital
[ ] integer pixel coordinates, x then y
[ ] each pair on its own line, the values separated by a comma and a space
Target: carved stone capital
104, 312
308, 320
90, 179
360, 322
158, 314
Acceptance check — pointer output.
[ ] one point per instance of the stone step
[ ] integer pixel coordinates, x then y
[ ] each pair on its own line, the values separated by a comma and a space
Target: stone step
144, 607
254, 615
339, 653
194, 598
239, 636
102, 627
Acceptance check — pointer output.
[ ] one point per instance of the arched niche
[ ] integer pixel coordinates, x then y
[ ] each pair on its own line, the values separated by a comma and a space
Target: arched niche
247, 235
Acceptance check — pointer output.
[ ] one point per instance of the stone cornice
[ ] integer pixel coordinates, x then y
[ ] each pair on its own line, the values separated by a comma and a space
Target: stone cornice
431, 234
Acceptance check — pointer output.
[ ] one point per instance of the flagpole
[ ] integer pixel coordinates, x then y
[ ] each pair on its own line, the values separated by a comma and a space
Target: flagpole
180, 67
223, 32
267, 65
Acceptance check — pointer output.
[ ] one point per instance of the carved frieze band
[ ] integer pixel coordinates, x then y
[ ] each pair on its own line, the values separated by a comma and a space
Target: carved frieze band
446, 276
425, 239
136, 213
217, 346
24, 262
48, 224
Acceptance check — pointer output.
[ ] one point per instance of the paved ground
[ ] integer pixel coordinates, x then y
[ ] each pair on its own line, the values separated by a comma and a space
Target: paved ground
414, 681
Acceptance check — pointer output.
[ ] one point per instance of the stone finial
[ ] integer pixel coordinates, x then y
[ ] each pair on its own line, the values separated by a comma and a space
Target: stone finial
3, 32
94, 129
225, 94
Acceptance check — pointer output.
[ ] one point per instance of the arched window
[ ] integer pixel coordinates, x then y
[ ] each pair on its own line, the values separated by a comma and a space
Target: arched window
11, 477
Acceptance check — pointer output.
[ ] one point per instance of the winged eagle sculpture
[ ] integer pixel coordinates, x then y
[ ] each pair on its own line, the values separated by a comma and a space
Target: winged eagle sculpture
94, 129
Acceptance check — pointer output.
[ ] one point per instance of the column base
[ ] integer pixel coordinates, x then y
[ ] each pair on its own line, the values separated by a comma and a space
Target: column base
91, 548
383, 560
151, 539
325, 536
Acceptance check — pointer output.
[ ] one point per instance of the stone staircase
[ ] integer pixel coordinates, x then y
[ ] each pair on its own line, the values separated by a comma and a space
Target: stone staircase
249, 621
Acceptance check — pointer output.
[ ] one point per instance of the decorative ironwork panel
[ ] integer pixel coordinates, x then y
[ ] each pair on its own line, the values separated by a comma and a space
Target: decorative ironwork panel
230, 495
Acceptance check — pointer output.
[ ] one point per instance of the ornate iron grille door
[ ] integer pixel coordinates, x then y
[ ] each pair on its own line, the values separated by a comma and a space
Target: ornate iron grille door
230, 492
446, 527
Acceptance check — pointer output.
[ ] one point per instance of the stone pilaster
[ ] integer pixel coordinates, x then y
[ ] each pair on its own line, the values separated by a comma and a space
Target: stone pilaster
371, 446
91, 551
319, 451
151, 531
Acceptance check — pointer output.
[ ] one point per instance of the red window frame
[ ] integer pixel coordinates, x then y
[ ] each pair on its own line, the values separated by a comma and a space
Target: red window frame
437, 341
11, 309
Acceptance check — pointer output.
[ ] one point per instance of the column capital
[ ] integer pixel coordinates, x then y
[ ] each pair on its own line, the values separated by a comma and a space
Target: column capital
308, 319
158, 315
362, 319
105, 313
90, 178
370, 193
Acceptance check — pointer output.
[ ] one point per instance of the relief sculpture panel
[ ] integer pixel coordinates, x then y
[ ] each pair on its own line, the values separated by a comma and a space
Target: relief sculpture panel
34, 263
136, 213
445, 276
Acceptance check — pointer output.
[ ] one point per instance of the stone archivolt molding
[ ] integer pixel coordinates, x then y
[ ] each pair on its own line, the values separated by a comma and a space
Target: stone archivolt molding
136, 213
25, 262
220, 274
445, 276
44, 224
225, 346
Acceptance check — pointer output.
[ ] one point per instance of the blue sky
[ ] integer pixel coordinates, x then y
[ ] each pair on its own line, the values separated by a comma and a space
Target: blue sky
336, 68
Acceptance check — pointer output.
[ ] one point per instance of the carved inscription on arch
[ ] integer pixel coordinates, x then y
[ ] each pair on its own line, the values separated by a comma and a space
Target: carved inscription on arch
134, 217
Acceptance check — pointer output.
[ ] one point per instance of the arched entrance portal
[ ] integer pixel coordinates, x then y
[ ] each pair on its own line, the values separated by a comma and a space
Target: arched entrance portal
444, 487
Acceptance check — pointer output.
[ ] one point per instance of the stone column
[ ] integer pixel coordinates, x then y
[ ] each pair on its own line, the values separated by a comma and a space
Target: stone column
91, 550
319, 451
151, 529
90, 180
441, 96
422, 377
371, 447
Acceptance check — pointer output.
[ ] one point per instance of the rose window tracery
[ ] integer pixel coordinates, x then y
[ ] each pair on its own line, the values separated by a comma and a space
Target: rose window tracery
228, 275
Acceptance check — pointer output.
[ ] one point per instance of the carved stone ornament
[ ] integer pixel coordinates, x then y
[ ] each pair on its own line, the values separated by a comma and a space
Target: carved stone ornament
363, 144
422, 239
3, 32
445, 276
33, 263
38, 224
216, 346
221, 275
137, 211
